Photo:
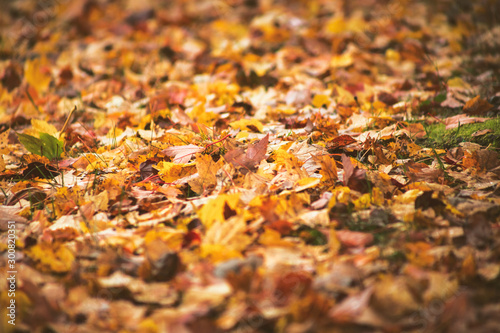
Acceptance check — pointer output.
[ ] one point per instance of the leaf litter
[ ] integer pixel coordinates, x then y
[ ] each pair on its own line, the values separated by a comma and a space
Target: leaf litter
257, 166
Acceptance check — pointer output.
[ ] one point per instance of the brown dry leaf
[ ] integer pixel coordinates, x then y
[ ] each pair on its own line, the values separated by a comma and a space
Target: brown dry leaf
207, 170
340, 142
8, 217
4, 143
354, 177
451, 102
462, 119
393, 297
487, 159
478, 231
477, 106
255, 153
481, 132
387, 98
328, 168
66, 228
413, 130
421, 172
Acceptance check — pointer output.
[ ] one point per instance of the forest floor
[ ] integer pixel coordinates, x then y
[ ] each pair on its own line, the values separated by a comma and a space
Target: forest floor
249, 166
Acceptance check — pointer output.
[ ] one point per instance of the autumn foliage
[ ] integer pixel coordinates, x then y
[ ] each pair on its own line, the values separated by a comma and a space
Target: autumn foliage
249, 166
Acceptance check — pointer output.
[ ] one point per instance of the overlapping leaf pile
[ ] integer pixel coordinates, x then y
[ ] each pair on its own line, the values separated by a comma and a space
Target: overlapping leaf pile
253, 166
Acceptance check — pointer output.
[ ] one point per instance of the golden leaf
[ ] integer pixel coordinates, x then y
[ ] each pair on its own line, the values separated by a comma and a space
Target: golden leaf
219, 209
51, 257
207, 170
170, 172
37, 73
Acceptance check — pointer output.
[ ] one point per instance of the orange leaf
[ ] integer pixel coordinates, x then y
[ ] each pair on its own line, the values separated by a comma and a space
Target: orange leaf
340, 141
477, 106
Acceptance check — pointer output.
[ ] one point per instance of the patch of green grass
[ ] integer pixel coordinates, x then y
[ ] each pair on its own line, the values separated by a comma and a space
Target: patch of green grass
439, 137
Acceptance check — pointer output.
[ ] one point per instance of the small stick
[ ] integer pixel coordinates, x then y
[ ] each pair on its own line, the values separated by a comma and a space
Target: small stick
67, 121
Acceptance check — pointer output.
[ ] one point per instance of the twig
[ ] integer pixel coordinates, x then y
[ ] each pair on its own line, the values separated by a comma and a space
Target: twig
67, 121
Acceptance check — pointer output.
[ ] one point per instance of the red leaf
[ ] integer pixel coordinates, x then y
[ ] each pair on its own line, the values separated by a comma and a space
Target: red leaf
340, 141
354, 177
255, 153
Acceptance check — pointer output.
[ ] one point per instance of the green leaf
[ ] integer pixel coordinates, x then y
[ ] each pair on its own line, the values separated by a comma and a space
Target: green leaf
52, 147
47, 145
32, 144
440, 98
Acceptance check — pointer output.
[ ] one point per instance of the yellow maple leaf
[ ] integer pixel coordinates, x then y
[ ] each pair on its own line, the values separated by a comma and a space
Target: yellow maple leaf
218, 252
219, 209
289, 161
336, 25
170, 172
248, 125
200, 115
340, 194
363, 202
231, 234
328, 169
37, 73
289, 204
170, 237
320, 100
271, 237
342, 60
391, 54
51, 257
207, 170
42, 126
419, 254
457, 82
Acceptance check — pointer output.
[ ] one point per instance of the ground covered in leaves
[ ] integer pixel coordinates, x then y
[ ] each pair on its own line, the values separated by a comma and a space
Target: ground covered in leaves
250, 166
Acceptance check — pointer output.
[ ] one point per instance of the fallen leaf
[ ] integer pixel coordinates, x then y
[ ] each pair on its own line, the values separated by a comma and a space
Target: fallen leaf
481, 132
248, 124
462, 119
351, 307
52, 257
255, 153
207, 170
354, 177
37, 73
477, 106
340, 142
182, 154
354, 238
